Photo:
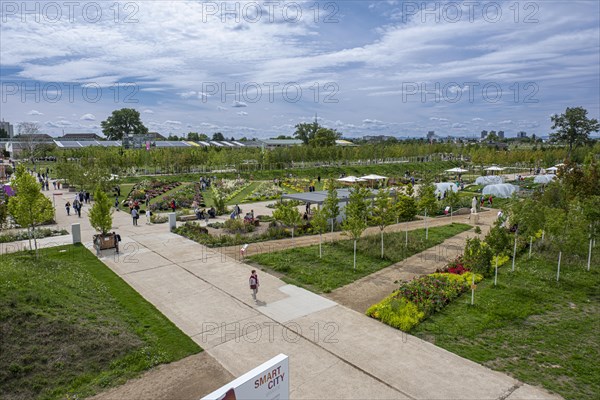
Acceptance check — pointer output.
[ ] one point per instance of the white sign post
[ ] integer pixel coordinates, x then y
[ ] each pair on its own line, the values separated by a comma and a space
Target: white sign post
268, 381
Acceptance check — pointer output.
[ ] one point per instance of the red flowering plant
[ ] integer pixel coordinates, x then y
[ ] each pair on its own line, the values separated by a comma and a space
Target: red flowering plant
431, 293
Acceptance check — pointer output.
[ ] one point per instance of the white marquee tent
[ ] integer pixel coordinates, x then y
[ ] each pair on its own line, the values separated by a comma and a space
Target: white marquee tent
488, 180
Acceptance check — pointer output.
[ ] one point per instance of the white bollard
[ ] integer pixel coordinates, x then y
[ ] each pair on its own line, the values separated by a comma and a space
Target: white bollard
76, 233
496, 273
514, 253
530, 243
172, 220
589, 255
558, 270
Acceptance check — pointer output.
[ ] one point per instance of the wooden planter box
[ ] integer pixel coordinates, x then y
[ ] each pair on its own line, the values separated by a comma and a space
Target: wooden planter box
105, 242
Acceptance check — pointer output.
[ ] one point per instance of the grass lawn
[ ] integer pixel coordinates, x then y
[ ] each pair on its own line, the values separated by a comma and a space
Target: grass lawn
303, 267
71, 327
540, 331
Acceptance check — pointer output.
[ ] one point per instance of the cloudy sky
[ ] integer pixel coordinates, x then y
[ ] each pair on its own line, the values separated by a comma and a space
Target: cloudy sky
256, 69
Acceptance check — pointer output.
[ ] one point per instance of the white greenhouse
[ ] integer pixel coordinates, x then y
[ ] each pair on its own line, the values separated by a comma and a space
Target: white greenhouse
489, 180
502, 190
544, 178
443, 187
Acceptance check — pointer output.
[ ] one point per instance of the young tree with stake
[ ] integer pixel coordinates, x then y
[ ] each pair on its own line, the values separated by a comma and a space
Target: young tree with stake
382, 213
356, 215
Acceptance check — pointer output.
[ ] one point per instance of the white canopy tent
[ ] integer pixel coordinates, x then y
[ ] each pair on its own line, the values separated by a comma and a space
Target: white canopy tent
502, 190
494, 168
373, 177
552, 169
457, 170
544, 178
351, 179
443, 187
489, 180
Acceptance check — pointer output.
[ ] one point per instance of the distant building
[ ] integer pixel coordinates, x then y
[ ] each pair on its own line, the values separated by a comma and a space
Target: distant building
377, 138
484, 134
431, 136
35, 137
7, 126
521, 135
273, 143
155, 136
500, 134
81, 137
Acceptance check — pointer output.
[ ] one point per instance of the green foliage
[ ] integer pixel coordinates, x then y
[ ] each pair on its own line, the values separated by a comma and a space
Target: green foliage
71, 327
219, 201
356, 213
331, 207
318, 221
478, 256
530, 215
303, 267
324, 137
382, 212
287, 214
39, 233
499, 239
3, 214
29, 207
306, 131
122, 123
406, 208
237, 226
418, 299
573, 127
427, 199
396, 312
521, 325
101, 212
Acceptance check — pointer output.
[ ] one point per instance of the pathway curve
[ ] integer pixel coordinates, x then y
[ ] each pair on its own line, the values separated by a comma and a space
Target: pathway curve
335, 352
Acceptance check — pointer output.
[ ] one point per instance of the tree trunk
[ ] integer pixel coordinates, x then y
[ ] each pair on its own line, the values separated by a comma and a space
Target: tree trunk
354, 254
382, 243
332, 222
320, 245
29, 236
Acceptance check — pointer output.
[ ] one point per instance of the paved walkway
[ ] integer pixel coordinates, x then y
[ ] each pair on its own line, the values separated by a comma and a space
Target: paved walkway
335, 352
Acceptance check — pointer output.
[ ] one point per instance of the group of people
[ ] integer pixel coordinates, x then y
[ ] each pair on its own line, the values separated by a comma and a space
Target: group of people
203, 214
80, 199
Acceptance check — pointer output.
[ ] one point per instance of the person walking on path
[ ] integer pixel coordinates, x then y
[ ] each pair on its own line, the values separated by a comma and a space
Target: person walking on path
135, 216
148, 215
254, 284
117, 203
68, 208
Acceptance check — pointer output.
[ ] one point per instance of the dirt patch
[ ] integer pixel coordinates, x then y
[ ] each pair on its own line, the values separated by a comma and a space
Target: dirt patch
190, 378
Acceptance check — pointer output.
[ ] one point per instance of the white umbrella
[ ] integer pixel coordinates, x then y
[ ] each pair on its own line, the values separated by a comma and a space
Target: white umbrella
373, 177
457, 170
351, 179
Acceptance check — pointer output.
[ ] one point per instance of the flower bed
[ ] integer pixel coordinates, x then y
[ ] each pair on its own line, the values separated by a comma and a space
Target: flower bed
298, 185
264, 191
152, 188
184, 198
416, 300
229, 188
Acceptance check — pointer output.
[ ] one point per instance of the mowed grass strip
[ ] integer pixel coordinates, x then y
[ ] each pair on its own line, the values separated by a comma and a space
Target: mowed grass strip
303, 267
541, 331
71, 327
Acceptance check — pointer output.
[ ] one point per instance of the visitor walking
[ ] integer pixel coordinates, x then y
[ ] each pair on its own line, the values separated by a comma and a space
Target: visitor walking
68, 208
116, 202
148, 215
254, 284
135, 216
173, 206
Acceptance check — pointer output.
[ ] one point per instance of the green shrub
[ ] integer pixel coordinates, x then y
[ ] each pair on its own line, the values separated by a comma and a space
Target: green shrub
398, 313
478, 257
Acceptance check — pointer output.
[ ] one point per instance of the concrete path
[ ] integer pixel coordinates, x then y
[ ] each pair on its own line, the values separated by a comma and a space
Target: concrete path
335, 352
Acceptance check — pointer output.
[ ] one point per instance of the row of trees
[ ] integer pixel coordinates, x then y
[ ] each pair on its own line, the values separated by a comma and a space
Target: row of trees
361, 210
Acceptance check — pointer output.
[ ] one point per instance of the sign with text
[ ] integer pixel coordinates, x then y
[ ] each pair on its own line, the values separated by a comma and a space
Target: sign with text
268, 381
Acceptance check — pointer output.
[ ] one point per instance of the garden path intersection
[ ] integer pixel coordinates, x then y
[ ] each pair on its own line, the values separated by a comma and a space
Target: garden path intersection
335, 352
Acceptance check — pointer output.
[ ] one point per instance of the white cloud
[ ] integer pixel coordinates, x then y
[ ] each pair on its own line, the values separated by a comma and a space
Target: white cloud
239, 104
34, 112
88, 117
242, 113
221, 108
477, 119
148, 111
170, 122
